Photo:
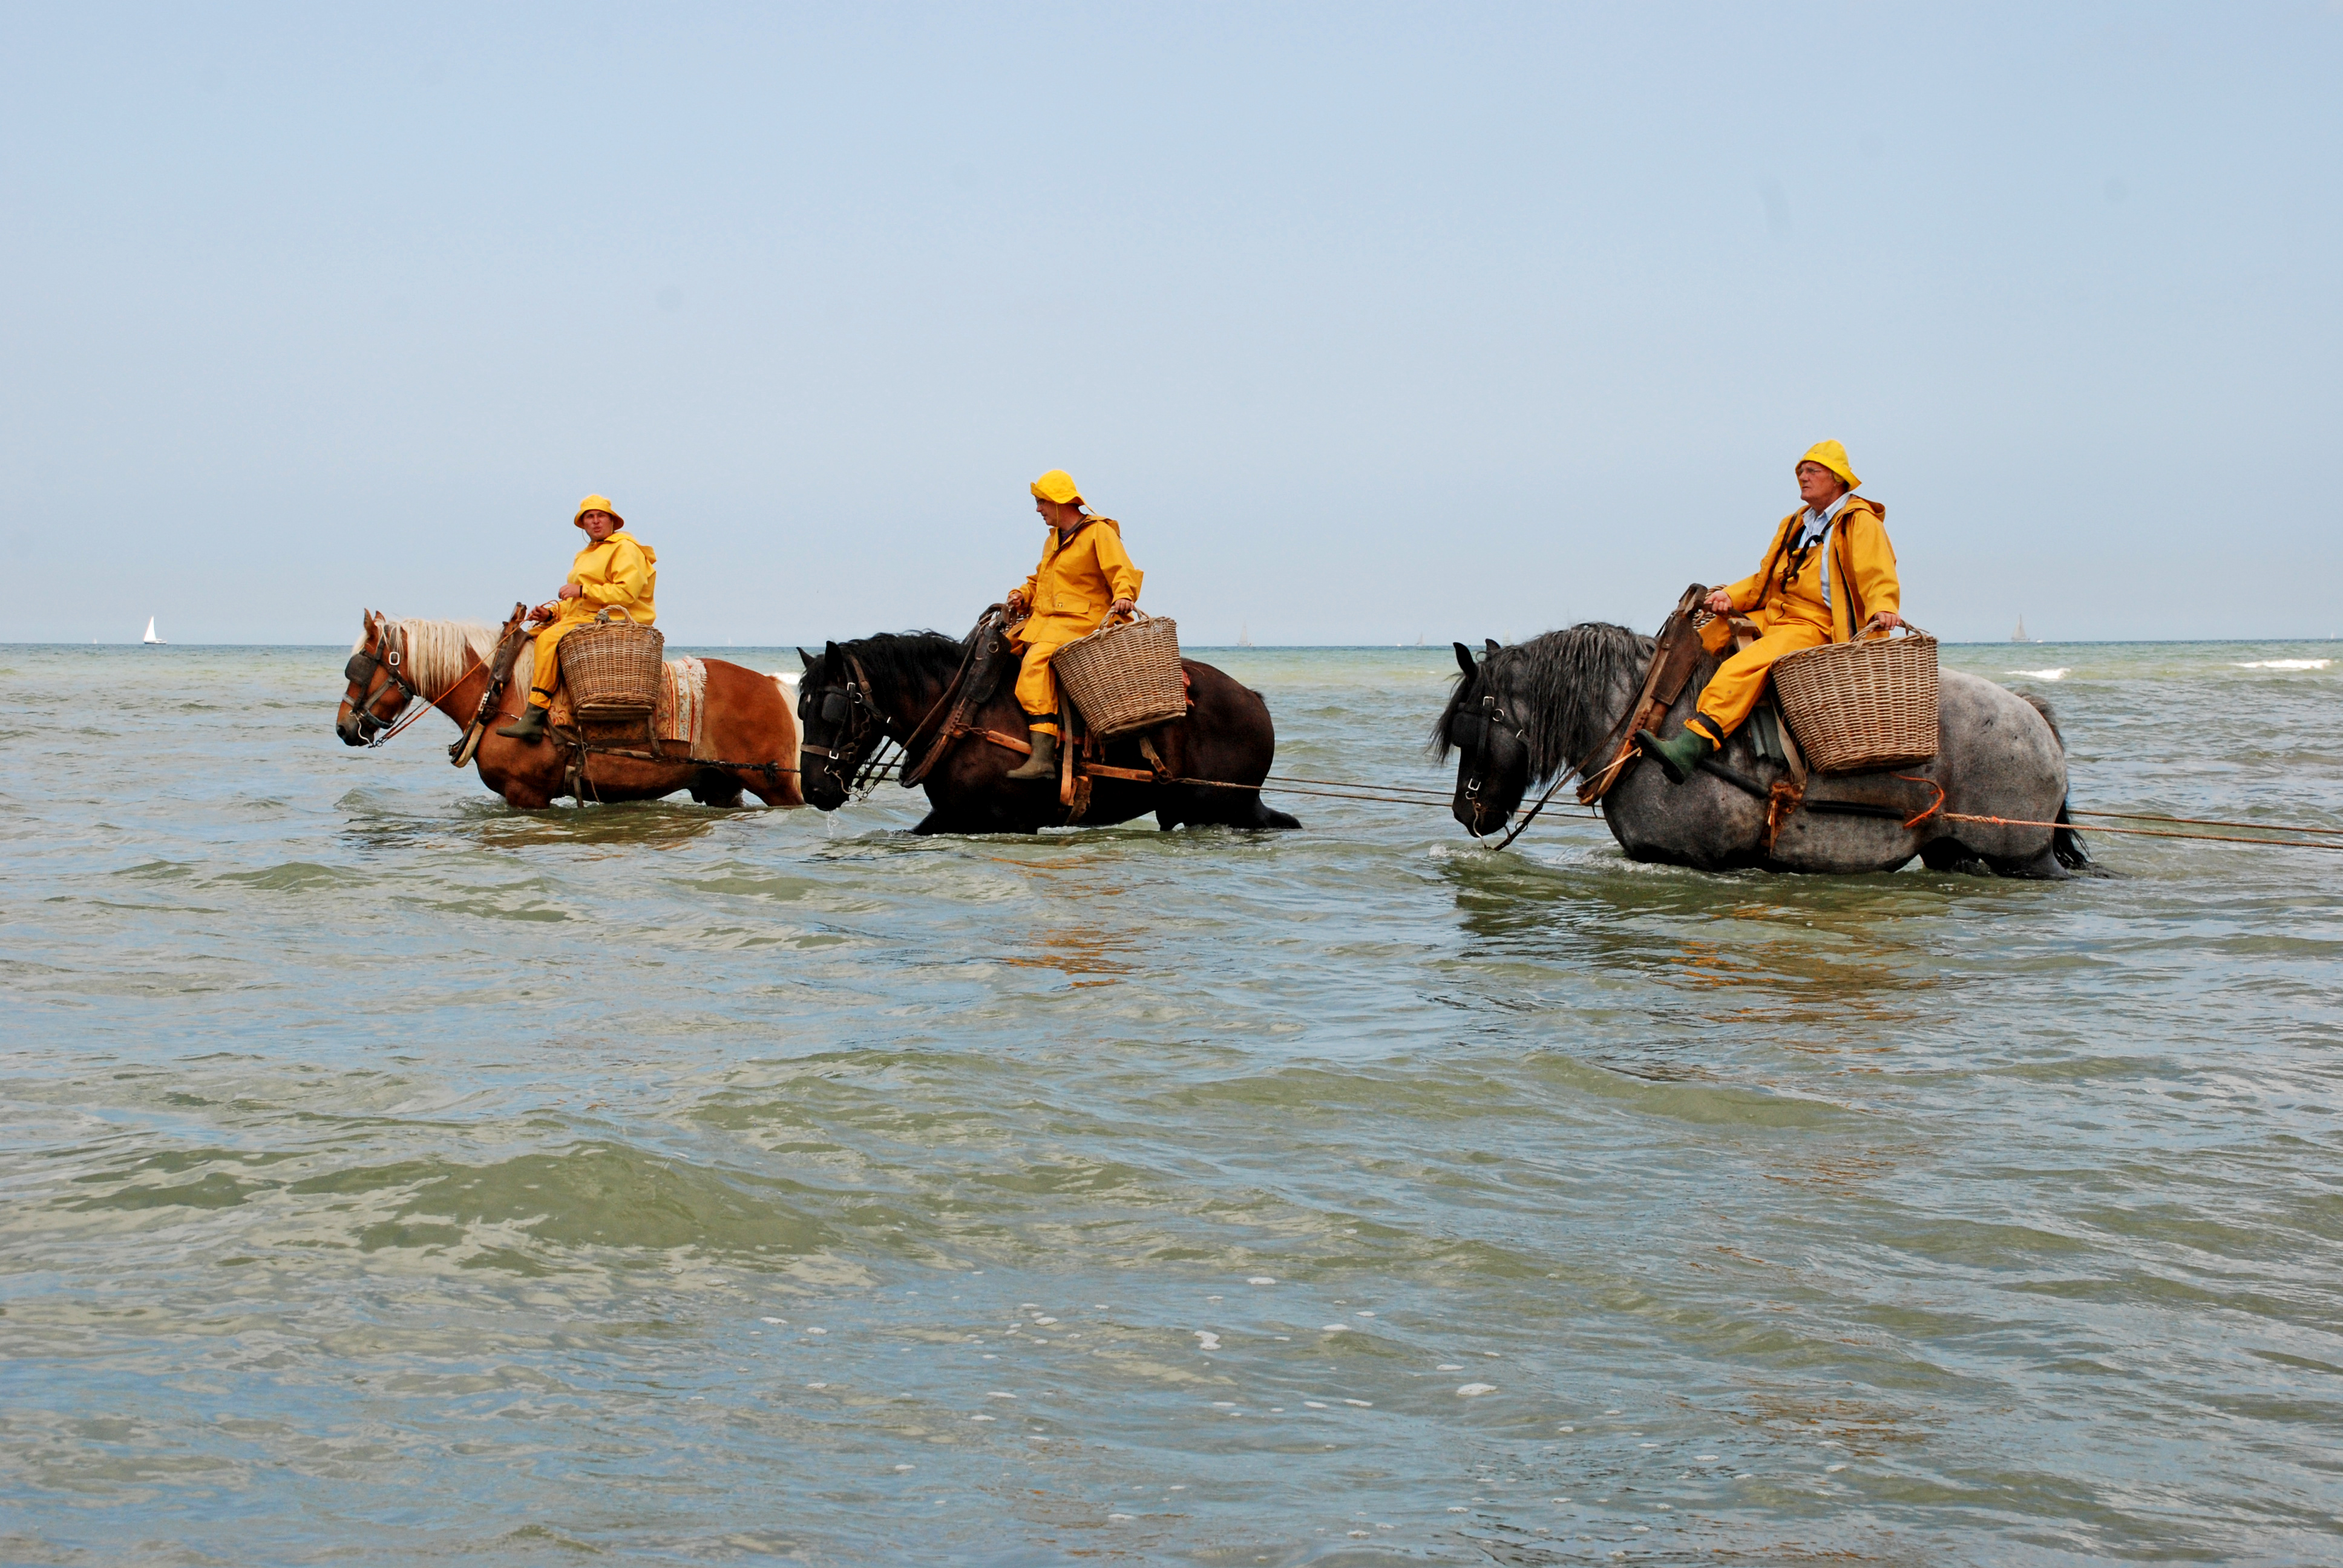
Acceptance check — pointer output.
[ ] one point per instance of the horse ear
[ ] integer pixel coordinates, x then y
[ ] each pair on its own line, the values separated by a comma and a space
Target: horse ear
1465, 660
805, 659
1494, 644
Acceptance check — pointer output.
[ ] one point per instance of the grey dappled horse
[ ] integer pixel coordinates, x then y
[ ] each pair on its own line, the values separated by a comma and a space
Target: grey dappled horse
1558, 696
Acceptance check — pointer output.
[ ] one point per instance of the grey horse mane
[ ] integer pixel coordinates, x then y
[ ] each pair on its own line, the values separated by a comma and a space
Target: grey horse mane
1566, 688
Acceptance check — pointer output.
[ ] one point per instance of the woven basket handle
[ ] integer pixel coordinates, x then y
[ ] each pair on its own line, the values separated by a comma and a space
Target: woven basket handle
603, 618
1134, 614
1907, 629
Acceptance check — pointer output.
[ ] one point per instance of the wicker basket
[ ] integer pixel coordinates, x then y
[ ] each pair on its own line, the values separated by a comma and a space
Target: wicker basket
1862, 705
1124, 676
612, 667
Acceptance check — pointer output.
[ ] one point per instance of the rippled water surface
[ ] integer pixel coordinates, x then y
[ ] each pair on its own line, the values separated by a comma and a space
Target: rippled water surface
392, 1177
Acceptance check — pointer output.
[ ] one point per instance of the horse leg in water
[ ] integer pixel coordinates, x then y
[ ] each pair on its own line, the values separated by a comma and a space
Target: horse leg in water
713, 787
1229, 739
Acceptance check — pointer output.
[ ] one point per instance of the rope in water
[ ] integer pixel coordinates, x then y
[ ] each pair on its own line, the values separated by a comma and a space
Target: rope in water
2200, 822
2154, 832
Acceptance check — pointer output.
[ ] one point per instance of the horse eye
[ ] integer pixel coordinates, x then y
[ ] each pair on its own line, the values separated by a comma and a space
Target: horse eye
1465, 732
833, 706
356, 667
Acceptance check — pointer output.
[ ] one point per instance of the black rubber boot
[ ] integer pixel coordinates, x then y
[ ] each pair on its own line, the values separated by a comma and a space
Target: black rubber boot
529, 726
1043, 763
1678, 758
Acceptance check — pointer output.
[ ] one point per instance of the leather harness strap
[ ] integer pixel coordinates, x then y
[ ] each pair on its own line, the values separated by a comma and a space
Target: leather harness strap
1675, 652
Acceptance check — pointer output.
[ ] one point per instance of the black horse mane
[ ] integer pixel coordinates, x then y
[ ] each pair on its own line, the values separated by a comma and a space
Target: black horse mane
895, 660
1565, 690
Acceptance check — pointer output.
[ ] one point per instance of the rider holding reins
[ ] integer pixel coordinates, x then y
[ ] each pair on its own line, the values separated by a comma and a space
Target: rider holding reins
1829, 574
615, 570
1085, 576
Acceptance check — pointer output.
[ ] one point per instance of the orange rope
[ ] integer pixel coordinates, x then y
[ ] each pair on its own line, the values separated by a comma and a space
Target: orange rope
1933, 806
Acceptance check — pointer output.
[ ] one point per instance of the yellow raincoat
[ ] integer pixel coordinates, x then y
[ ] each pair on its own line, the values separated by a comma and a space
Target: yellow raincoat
621, 570
1070, 592
1789, 607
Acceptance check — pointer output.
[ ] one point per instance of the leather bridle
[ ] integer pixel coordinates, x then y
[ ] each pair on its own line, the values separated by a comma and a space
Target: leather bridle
1469, 729
853, 715
368, 670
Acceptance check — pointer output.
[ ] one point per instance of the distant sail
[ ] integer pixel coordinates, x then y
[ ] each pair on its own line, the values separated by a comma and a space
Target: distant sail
150, 631
2019, 635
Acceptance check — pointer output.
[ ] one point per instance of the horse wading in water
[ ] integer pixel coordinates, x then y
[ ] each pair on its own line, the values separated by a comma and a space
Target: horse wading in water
855, 695
1522, 715
748, 722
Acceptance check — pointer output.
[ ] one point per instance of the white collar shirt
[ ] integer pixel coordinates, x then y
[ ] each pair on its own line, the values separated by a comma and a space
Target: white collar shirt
1814, 528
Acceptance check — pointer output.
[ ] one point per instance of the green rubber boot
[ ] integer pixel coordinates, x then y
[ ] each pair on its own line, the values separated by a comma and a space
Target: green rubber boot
1678, 758
529, 726
1043, 763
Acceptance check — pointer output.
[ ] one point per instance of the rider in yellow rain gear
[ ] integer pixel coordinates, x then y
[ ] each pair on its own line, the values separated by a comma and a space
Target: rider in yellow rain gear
1829, 574
1085, 576
614, 569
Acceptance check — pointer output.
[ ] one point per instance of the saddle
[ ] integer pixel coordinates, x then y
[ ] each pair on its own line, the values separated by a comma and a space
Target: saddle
1690, 632
989, 660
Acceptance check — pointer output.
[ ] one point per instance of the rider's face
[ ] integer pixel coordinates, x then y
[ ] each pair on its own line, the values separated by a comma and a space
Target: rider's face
598, 526
1059, 515
1818, 485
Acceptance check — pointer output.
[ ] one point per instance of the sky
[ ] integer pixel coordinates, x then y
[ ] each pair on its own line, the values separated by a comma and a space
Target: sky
1368, 323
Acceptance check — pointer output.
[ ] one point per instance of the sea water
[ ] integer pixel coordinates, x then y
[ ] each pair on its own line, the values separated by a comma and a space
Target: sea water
393, 1177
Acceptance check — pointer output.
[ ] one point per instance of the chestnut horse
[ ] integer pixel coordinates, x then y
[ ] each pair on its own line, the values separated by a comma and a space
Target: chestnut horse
750, 723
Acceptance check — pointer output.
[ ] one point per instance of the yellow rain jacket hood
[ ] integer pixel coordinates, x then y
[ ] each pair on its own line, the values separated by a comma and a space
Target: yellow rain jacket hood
1831, 456
595, 503
1079, 578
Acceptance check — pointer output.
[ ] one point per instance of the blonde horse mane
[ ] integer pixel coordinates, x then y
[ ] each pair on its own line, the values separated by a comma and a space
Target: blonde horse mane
437, 653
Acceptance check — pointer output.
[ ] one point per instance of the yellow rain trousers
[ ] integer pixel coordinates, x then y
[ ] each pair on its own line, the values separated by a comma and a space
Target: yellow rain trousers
1789, 609
621, 570
1078, 579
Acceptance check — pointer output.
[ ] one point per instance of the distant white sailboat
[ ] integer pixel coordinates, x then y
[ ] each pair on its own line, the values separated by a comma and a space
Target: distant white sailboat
1244, 634
150, 637
2019, 635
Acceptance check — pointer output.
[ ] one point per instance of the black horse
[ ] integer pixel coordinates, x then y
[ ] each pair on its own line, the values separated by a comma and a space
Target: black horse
895, 687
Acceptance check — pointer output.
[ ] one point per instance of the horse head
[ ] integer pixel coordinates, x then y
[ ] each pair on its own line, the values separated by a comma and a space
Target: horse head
379, 689
1483, 724
838, 725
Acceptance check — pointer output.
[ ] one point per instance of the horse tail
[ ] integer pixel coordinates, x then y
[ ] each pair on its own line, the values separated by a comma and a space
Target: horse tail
2067, 843
2041, 705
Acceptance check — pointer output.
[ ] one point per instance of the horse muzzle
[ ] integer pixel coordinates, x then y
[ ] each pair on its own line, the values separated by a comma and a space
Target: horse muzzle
820, 780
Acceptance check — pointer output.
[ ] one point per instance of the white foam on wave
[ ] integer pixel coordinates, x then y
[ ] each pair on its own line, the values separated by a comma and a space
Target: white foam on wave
2287, 664
2057, 674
